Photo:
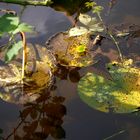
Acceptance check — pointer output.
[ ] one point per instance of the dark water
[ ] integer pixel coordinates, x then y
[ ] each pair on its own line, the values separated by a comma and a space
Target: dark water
81, 121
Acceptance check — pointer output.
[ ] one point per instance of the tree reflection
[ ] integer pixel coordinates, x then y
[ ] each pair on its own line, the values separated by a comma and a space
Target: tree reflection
40, 119
70, 6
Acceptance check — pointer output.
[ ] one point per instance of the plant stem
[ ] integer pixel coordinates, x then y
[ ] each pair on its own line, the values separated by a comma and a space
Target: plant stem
117, 45
116, 134
28, 2
112, 37
24, 56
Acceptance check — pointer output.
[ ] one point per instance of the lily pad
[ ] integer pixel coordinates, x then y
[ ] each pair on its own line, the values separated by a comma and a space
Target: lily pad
119, 95
71, 50
38, 76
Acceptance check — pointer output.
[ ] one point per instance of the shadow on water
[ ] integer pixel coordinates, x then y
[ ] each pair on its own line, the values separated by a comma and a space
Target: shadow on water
46, 116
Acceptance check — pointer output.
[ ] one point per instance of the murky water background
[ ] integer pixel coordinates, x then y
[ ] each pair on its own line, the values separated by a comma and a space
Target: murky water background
81, 121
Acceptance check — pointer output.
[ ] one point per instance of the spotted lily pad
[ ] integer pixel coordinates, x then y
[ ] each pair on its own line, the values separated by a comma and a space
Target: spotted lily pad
119, 95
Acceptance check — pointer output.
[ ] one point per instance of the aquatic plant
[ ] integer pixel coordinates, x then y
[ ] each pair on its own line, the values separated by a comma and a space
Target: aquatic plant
11, 26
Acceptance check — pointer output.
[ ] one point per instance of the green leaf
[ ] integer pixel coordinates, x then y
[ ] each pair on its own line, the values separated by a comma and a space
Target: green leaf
90, 4
8, 23
97, 9
13, 51
120, 95
23, 27
77, 31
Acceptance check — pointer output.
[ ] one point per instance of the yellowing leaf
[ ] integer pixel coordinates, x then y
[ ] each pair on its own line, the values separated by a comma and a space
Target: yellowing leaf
121, 95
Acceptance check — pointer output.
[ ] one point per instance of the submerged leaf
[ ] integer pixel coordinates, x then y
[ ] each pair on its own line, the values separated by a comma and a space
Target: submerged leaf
120, 95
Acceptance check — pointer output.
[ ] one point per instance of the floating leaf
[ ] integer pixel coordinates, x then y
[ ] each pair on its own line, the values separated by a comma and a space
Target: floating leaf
8, 23
65, 48
92, 23
77, 31
120, 95
13, 51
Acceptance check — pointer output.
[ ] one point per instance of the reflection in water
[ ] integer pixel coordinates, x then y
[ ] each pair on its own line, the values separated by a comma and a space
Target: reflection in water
71, 7
96, 121
71, 74
40, 119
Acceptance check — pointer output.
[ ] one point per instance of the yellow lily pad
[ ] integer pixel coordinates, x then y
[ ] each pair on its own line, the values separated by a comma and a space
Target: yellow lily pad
119, 95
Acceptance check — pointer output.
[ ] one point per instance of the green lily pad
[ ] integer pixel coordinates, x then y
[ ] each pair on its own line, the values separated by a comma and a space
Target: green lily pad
119, 95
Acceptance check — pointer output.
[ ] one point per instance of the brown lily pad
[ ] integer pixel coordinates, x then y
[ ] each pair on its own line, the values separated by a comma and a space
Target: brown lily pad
72, 51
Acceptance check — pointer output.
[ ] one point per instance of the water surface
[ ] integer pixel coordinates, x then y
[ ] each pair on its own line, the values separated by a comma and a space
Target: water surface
81, 121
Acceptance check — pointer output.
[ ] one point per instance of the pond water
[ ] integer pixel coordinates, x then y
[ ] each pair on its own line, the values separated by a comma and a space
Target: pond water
80, 122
